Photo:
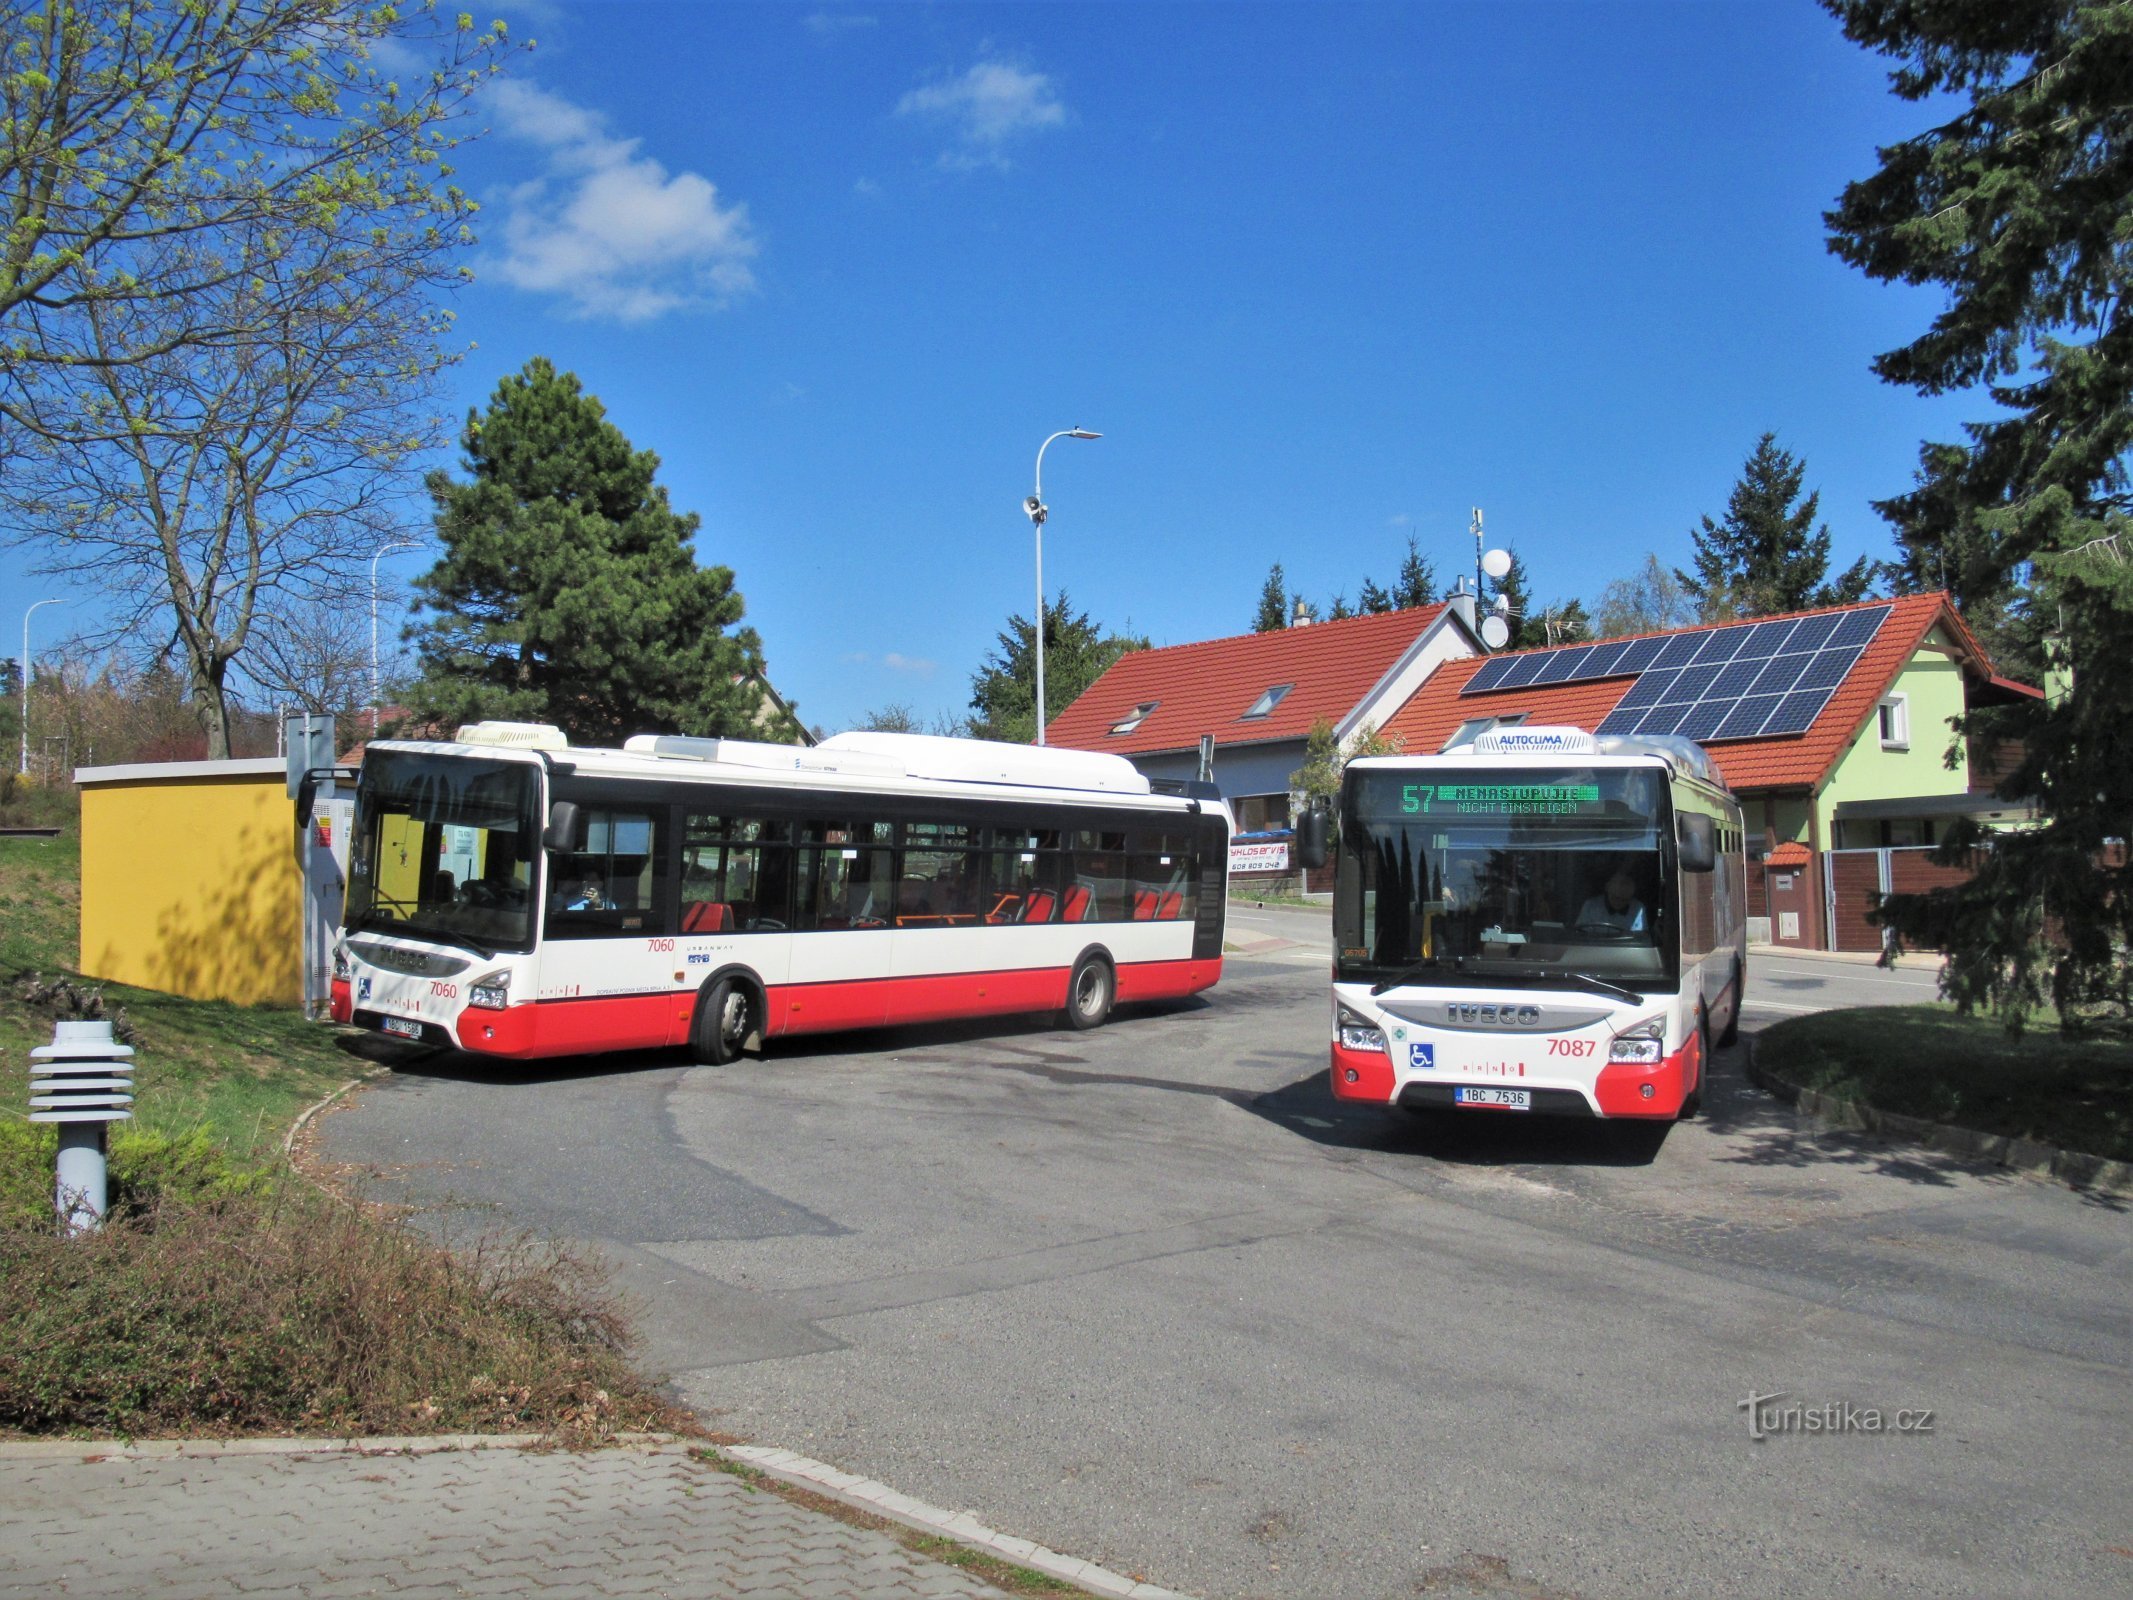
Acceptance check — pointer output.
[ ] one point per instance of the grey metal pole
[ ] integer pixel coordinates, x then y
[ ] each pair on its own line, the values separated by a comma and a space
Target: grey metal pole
1035, 508
23, 666
83, 1186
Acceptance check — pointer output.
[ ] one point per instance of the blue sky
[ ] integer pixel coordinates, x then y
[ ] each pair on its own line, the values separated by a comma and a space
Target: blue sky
1322, 275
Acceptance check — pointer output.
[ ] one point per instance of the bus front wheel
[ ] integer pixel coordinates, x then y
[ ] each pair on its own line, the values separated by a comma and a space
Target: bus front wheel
1090, 992
725, 1017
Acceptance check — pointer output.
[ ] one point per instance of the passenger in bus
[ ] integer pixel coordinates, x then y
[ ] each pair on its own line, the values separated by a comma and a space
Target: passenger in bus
1615, 906
589, 896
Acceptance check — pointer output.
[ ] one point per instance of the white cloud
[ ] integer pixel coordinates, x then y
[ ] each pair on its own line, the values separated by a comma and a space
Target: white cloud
902, 663
608, 229
989, 107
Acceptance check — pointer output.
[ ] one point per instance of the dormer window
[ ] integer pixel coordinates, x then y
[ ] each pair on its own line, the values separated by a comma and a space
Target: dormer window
1264, 705
1134, 718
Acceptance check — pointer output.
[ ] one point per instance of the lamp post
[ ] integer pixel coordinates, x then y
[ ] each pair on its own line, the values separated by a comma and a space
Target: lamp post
24, 667
1034, 507
384, 550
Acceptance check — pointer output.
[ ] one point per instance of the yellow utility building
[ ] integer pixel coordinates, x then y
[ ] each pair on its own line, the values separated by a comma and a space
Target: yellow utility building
189, 880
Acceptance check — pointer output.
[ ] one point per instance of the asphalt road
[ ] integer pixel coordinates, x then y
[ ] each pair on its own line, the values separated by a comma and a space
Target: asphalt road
1149, 1296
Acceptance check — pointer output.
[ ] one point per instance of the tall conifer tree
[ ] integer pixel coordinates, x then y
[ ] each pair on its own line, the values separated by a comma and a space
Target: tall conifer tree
1768, 555
569, 591
2019, 205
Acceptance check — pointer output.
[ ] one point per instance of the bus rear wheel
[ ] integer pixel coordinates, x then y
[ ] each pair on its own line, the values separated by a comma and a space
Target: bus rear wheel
725, 1017
1090, 992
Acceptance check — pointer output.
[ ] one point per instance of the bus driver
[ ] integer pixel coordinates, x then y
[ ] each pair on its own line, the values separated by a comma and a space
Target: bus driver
1617, 906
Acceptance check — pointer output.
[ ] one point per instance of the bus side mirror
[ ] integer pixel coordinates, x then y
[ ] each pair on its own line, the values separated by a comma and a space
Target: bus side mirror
563, 831
1699, 843
1311, 839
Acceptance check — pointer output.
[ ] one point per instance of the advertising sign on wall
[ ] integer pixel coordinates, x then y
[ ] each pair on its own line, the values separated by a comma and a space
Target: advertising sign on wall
1258, 856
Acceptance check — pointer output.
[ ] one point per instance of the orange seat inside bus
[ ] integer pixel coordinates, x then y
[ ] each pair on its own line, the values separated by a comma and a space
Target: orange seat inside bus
706, 916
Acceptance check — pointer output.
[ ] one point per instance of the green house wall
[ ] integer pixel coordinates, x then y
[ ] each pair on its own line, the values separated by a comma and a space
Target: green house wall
1933, 685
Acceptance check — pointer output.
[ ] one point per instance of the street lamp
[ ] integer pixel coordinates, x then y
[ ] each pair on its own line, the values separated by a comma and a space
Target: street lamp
25, 670
1034, 508
383, 551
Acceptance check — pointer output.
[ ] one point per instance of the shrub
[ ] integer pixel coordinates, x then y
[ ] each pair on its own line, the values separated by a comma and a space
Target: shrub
219, 1301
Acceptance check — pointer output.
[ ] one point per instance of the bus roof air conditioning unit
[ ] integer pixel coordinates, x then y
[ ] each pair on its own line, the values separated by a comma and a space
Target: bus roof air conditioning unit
517, 735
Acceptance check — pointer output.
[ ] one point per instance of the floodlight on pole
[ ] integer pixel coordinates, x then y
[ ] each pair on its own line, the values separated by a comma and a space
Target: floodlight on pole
1034, 508
382, 552
23, 667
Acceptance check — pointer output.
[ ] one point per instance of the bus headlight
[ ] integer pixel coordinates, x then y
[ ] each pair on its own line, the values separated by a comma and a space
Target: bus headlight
1357, 1033
1640, 1046
491, 992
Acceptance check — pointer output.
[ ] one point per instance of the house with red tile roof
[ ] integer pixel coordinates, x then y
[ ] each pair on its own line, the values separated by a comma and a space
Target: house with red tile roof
1832, 726
1258, 695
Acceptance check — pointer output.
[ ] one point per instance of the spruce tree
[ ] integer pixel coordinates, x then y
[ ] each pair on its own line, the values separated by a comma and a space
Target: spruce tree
568, 591
2019, 206
1372, 599
1077, 651
1273, 613
1768, 555
1417, 582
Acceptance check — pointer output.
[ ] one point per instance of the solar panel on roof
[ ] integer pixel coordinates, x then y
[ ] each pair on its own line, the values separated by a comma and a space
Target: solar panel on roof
1767, 639
1746, 718
1856, 627
1489, 676
1690, 684
1797, 711
1703, 719
1522, 670
1825, 669
1723, 645
1742, 681
1734, 678
1646, 690
1680, 650
1563, 664
1809, 633
1639, 655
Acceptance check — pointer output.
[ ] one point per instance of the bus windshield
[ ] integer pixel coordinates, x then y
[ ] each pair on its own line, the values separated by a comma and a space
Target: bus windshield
1488, 876
443, 849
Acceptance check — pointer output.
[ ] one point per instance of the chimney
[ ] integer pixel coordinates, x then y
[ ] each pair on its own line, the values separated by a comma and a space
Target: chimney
1461, 600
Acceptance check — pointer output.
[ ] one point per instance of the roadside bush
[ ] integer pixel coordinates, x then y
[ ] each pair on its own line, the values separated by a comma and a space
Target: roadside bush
27, 804
216, 1301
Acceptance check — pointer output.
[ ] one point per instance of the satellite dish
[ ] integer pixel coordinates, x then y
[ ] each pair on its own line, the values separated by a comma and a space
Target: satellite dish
1497, 563
1495, 632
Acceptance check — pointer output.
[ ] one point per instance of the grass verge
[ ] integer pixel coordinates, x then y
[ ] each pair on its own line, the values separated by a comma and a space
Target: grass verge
238, 1075
1932, 1062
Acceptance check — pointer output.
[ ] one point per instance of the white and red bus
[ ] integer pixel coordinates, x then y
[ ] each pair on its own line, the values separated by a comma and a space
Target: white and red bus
514, 896
1537, 921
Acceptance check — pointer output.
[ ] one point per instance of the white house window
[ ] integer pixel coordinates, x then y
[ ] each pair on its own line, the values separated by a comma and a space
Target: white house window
1268, 701
1895, 723
1134, 718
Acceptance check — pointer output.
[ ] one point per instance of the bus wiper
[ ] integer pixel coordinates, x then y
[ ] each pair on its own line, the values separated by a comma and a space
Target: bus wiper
1602, 986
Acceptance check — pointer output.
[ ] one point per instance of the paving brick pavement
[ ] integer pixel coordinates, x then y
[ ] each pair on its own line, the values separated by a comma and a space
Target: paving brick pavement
334, 1525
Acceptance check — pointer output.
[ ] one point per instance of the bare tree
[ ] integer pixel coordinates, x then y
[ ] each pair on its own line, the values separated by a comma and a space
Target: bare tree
1650, 600
216, 484
144, 144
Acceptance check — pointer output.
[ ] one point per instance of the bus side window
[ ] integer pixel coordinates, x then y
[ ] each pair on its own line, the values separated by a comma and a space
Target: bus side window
613, 887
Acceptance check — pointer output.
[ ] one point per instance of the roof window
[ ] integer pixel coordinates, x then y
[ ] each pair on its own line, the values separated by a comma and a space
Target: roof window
1134, 718
1265, 704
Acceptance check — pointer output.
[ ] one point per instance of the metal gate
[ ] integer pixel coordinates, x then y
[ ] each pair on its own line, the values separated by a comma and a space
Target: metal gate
1854, 881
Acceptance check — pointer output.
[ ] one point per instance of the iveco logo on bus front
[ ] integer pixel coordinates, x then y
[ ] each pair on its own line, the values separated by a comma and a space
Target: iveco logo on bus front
1494, 1016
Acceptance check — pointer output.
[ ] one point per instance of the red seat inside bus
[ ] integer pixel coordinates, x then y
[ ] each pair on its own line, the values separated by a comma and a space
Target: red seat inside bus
1038, 908
706, 916
1144, 905
1077, 904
